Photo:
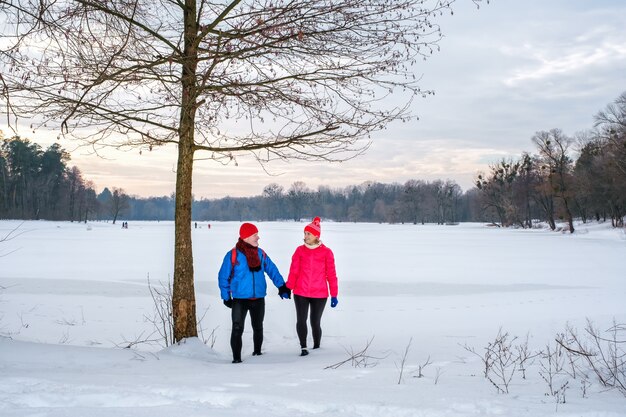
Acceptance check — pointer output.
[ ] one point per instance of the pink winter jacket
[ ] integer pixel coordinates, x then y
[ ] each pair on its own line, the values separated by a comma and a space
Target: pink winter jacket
312, 272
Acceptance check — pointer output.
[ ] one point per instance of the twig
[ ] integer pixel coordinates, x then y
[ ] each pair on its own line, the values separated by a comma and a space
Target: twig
422, 367
357, 359
403, 361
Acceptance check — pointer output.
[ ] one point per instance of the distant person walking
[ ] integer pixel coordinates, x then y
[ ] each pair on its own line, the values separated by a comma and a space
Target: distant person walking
312, 276
243, 287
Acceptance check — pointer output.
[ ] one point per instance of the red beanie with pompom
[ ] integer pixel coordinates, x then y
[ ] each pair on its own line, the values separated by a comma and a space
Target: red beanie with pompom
247, 229
314, 227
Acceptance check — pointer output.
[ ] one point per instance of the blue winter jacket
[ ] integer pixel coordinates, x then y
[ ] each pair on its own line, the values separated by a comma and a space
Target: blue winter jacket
246, 283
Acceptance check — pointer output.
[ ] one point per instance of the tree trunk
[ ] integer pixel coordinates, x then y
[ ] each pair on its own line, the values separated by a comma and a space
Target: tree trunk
528, 221
570, 218
183, 298
183, 293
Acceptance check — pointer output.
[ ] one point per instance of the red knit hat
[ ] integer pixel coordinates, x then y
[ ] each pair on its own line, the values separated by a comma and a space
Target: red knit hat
247, 229
314, 227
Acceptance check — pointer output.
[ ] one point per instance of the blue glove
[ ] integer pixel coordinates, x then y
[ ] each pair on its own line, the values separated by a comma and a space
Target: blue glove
333, 302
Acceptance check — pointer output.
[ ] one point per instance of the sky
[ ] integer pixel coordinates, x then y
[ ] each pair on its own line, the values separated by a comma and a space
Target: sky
65, 318
504, 72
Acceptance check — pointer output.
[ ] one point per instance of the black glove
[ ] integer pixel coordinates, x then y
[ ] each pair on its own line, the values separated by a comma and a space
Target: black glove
229, 303
284, 292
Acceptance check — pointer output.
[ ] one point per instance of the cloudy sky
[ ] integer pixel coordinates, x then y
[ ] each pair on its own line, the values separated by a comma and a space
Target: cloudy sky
504, 72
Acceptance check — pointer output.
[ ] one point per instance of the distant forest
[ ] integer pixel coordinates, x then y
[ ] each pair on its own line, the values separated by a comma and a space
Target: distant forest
548, 185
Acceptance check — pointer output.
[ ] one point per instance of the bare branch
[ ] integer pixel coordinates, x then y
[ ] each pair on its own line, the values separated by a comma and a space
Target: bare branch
403, 360
359, 358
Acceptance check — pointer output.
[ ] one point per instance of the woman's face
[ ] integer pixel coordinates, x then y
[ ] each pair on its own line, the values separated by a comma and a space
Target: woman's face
310, 239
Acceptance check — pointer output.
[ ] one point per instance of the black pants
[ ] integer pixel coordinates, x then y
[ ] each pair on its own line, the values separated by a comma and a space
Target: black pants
302, 311
239, 312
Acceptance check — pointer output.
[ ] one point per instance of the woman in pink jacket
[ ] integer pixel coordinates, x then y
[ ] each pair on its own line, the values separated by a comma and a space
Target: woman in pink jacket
312, 276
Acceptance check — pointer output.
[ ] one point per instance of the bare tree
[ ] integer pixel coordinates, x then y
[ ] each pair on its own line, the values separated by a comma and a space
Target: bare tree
118, 203
557, 166
298, 196
414, 200
611, 136
612, 124
272, 195
276, 79
497, 191
448, 199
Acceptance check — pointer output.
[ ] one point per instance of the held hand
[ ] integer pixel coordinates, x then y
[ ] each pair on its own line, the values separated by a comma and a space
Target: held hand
229, 303
334, 302
284, 292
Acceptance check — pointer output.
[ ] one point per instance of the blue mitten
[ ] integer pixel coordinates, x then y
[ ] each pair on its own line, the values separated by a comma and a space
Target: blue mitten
333, 302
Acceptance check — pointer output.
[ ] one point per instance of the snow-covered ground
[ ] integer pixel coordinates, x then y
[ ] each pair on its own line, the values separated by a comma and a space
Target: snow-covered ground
73, 295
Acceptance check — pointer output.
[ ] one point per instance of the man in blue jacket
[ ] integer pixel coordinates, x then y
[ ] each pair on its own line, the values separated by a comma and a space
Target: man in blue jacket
243, 288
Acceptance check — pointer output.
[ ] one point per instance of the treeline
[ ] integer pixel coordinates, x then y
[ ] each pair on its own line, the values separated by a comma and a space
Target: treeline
548, 185
38, 184
415, 201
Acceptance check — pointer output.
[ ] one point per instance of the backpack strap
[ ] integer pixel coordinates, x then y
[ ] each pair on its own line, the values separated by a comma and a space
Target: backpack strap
233, 262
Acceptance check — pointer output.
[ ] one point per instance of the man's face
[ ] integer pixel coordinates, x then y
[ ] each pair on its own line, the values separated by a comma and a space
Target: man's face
253, 240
